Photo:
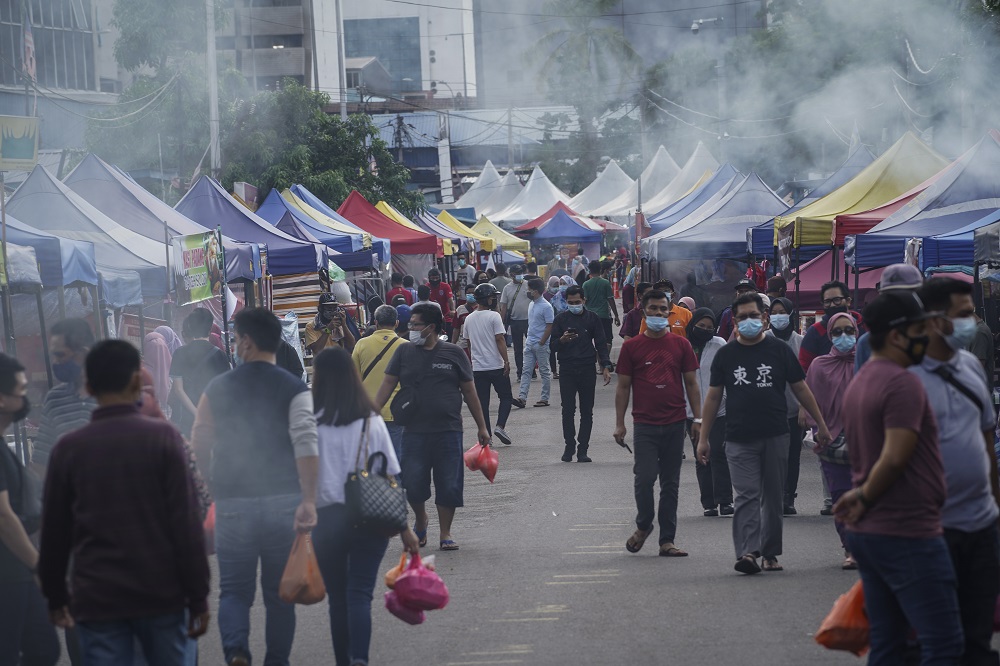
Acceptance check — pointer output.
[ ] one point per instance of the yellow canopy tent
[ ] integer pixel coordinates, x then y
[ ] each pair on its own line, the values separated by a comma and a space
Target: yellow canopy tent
506, 240
325, 220
486, 243
902, 167
446, 245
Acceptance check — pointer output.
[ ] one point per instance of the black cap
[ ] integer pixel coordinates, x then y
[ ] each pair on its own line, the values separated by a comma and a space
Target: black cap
893, 309
327, 297
516, 269
746, 282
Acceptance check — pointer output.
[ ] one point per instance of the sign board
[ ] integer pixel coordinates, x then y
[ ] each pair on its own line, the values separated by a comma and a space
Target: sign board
130, 331
786, 238
197, 267
18, 143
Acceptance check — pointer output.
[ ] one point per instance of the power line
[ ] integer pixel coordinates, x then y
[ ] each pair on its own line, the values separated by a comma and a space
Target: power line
688, 10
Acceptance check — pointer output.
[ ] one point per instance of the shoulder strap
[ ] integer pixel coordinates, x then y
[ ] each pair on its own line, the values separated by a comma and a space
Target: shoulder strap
378, 358
363, 445
945, 373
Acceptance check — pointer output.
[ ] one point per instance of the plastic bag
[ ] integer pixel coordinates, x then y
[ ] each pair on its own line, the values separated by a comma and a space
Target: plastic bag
487, 462
396, 607
392, 574
209, 527
301, 583
846, 626
471, 458
420, 588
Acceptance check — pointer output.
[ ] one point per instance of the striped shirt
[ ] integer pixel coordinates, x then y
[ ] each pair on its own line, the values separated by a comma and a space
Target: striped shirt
62, 411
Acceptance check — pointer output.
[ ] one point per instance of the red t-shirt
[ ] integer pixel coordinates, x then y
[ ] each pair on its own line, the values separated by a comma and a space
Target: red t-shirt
399, 291
441, 295
656, 366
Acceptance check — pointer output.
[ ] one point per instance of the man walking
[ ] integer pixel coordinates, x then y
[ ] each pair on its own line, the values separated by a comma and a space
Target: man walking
601, 300
536, 347
120, 500
514, 304
661, 367
893, 515
577, 335
193, 366
958, 394
372, 355
440, 376
397, 289
440, 293
255, 439
465, 274
484, 332
751, 373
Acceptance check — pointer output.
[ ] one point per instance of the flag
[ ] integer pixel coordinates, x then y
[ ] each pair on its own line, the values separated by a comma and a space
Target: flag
28, 61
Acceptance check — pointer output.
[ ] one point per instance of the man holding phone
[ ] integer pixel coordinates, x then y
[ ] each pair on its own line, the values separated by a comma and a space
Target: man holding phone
576, 334
329, 328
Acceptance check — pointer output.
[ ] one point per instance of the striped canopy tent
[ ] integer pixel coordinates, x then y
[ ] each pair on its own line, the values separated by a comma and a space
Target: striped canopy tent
503, 238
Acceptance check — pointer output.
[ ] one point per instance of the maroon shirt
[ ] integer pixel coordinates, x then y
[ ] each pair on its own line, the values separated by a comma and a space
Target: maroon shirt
657, 367
120, 500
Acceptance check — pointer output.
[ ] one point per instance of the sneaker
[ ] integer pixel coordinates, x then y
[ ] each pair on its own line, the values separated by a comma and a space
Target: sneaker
726, 510
239, 659
567, 457
502, 436
827, 509
583, 457
711, 513
788, 510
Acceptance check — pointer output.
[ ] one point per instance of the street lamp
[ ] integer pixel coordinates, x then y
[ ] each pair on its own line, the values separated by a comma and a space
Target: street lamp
721, 79
454, 97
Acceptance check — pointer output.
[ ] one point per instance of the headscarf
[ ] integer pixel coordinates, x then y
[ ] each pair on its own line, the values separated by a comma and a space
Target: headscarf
688, 302
156, 357
790, 309
173, 340
567, 281
828, 378
553, 282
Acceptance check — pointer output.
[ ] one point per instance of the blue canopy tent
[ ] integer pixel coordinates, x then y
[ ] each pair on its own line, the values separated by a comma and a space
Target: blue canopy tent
432, 225
717, 185
114, 193
564, 229
956, 248
380, 245
61, 262
351, 256
209, 204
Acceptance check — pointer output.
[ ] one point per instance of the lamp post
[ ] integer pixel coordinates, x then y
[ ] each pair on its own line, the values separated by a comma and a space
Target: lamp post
720, 66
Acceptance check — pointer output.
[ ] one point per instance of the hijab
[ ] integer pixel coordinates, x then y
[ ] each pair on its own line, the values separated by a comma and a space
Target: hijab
828, 378
173, 340
790, 309
696, 316
156, 357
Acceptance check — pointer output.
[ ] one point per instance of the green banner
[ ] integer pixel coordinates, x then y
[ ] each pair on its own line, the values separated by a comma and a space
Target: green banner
197, 267
18, 143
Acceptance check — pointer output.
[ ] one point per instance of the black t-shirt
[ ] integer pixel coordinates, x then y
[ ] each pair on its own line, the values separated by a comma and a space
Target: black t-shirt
12, 570
755, 377
197, 363
440, 396
288, 359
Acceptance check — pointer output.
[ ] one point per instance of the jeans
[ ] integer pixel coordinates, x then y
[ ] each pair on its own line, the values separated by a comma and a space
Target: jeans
976, 559
26, 635
838, 479
658, 452
162, 638
248, 529
494, 379
349, 560
909, 583
519, 331
713, 479
757, 470
396, 435
795, 435
533, 354
577, 380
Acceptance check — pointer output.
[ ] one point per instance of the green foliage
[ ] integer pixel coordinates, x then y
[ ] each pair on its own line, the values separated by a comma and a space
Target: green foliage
152, 31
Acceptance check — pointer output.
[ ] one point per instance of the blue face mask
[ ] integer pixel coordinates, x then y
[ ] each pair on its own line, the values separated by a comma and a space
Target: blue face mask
749, 328
470, 298
656, 323
461, 262
563, 288
575, 309
518, 278
965, 330
845, 343
67, 371
780, 321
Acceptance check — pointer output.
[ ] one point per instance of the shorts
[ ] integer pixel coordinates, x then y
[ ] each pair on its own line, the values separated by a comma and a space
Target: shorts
608, 334
438, 454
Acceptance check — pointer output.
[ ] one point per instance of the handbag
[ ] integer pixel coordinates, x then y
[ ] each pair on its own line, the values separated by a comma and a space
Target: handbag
836, 451
375, 501
406, 405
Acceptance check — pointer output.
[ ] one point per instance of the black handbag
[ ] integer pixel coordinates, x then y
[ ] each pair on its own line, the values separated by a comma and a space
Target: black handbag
836, 452
375, 501
406, 405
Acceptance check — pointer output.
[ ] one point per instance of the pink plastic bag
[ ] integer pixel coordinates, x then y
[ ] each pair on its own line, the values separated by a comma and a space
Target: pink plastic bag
471, 458
487, 462
419, 588
396, 607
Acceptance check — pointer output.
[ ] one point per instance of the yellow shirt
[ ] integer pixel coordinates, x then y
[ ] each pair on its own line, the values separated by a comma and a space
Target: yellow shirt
312, 335
365, 352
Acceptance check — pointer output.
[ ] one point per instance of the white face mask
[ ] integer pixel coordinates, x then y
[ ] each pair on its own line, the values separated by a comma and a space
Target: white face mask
417, 337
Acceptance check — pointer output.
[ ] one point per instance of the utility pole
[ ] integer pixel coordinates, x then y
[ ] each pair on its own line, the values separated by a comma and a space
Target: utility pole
444, 158
213, 91
510, 137
341, 59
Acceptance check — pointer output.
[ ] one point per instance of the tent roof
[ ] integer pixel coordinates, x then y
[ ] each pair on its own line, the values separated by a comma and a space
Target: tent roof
209, 204
510, 186
710, 191
404, 240
905, 164
855, 163
958, 248
563, 228
504, 239
451, 243
609, 185
700, 162
47, 204
328, 217
397, 217
61, 261
817, 272
114, 193
486, 243
484, 187
546, 216
538, 195
655, 177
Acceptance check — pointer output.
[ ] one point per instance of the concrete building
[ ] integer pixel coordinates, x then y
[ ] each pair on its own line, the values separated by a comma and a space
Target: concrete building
268, 41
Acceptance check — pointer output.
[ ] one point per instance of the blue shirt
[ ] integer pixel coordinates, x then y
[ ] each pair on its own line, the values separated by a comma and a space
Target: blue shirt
970, 506
540, 315
862, 352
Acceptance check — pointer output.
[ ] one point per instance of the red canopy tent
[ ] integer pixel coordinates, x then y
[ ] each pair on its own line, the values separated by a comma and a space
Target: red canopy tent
814, 274
546, 216
361, 213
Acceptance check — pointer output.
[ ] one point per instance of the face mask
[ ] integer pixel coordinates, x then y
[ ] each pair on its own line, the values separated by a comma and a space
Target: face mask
750, 328
965, 330
67, 371
21, 413
829, 312
417, 337
558, 258
576, 309
461, 263
518, 278
434, 281
670, 296
553, 290
916, 348
470, 298
656, 323
563, 288
701, 336
845, 343
780, 321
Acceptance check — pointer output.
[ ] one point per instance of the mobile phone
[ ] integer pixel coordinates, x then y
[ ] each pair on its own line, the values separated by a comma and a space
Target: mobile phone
572, 330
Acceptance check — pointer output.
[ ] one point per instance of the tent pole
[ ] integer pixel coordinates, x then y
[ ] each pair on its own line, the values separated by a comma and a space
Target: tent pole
225, 288
977, 288
835, 265
798, 266
845, 263
45, 337
98, 322
62, 302
142, 325
856, 285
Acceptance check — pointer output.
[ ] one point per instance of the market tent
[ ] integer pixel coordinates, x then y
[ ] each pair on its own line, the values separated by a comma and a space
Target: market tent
817, 272
450, 241
485, 186
660, 171
987, 243
404, 240
44, 203
608, 186
531, 225
22, 267
718, 231
397, 217
312, 206
957, 248
486, 244
210, 205
563, 228
905, 164
855, 164
509, 188
538, 195
114, 193
503, 238
61, 261
760, 243
700, 163
713, 189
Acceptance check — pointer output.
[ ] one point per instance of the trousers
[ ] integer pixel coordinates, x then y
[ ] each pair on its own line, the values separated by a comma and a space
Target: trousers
486, 380
714, 484
577, 381
658, 453
758, 471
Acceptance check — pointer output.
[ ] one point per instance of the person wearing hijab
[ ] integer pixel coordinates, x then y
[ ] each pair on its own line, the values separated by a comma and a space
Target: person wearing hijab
713, 479
688, 303
156, 357
784, 326
828, 377
173, 340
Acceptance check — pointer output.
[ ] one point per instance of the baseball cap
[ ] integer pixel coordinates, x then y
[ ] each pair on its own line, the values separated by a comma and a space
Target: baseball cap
900, 276
746, 282
403, 313
327, 297
894, 309
516, 269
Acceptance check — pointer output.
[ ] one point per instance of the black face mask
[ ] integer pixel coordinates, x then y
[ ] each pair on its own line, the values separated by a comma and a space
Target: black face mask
22, 413
829, 312
916, 348
701, 336
434, 282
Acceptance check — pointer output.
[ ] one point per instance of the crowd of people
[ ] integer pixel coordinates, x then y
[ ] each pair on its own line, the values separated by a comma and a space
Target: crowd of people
134, 451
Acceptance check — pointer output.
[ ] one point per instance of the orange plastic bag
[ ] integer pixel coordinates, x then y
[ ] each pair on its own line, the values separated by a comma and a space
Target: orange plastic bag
209, 527
846, 626
301, 583
487, 462
471, 458
392, 574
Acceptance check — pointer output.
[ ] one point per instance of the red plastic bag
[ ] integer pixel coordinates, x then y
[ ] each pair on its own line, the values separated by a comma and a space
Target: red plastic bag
846, 626
487, 462
301, 583
209, 527
396, 607
471, 458
419, 588
392, 574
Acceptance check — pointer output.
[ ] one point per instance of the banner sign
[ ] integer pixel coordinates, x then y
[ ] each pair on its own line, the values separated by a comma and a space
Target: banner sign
197, 267
786, 238
18, 143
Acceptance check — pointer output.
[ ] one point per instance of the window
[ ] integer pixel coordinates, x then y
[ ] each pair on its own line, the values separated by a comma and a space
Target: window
396, 44
353, 80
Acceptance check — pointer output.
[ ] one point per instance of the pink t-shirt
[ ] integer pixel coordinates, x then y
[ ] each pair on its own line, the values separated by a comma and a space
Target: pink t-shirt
883, 395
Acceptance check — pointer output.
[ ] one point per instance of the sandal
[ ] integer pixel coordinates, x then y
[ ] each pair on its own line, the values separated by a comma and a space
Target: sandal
850, 564
635, 542
421, 536
542, 403
519, 403
448, 544
669, 550
771, 564
747, 565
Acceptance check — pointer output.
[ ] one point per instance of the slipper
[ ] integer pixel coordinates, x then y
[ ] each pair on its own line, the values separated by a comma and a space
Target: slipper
421, 535
747, 565
542, 403
850, 564
771, 564
519, 403
635, 542
672, 551
448, 544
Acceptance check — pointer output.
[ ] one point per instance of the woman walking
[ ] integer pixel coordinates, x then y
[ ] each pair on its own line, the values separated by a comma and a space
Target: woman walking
349, 557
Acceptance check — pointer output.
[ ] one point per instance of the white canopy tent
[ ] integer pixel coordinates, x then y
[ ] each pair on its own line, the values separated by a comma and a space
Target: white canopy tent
485, 186
608, 186
657, 175
510, 187
698, 165
538, 195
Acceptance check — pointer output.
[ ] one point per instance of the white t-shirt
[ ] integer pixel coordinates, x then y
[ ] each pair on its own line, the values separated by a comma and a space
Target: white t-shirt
338, 451
480, 329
